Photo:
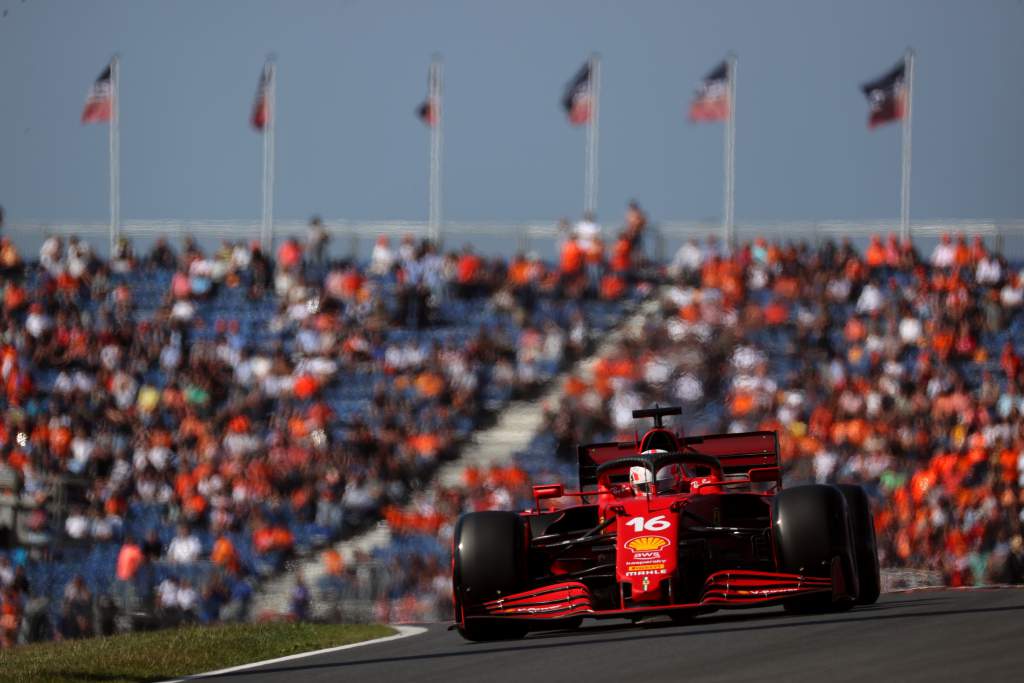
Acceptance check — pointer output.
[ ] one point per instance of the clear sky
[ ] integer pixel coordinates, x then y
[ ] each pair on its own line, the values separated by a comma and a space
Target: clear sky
350, 75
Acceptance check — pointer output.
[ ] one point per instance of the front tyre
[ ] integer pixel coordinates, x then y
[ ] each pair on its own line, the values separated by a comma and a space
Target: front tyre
489, 561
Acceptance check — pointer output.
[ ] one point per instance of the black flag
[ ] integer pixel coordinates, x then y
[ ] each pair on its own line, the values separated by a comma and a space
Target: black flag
576, 99
886, 96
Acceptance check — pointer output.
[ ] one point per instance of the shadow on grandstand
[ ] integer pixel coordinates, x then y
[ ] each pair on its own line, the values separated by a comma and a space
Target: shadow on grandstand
735, 624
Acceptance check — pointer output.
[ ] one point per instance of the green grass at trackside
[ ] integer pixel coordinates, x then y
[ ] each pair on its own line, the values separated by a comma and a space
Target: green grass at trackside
160, 655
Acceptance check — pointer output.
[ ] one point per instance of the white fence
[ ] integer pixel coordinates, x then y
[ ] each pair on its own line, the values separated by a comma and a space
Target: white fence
909, 579
505, 237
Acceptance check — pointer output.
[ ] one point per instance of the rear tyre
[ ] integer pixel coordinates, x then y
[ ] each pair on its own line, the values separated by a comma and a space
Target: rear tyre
812, 531
865, 548
489, 560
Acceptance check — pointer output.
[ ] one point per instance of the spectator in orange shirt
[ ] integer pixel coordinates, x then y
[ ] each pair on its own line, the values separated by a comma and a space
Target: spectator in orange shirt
10, 617
1009, 361
468, 273
429, 384
129, 559
14, 297
776, 313
892, 251
622, 255
519, 271
710, 274
854, 331
425, 445
571, 261
875, 256
612, 287
962, 253
10, 259
262, 537
942, 343
224, 554
289, 254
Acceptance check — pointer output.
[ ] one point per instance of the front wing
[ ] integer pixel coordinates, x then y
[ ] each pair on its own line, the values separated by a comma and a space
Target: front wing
727, 588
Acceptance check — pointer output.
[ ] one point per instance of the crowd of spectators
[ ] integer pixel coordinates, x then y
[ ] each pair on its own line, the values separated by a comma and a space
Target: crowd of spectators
188, 420
880, 367
176, 425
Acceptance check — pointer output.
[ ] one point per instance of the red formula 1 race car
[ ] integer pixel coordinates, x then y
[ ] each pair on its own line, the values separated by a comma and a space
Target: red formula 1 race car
664, 525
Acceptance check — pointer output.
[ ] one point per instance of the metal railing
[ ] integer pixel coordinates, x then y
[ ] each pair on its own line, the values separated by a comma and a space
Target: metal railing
356, 238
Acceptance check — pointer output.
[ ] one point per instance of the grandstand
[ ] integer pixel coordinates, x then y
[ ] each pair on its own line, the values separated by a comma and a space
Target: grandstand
179, 427
881, 368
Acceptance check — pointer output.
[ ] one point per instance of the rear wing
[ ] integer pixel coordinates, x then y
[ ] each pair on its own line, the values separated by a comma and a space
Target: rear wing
738, 453
594, 454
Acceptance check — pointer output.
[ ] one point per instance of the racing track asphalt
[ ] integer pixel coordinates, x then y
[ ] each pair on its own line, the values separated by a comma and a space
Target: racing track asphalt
924, 635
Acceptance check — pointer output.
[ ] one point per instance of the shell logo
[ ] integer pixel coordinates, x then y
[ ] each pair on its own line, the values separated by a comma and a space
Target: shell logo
646, 543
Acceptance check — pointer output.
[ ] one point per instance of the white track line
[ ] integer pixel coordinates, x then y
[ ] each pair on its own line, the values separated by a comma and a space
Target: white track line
403, 632
984, 587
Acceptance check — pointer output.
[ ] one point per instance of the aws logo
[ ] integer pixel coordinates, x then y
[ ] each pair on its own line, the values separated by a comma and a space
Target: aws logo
646, 543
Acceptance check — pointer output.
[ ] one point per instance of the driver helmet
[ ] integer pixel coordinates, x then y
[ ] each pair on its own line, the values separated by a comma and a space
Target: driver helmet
640, 480
640, 477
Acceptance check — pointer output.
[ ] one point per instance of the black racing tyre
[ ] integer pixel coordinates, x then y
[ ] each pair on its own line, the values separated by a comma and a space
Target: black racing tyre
489, 561
812, 528
865, 548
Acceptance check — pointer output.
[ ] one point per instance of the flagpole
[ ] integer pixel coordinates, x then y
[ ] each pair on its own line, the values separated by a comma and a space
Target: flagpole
590, 177
728, 219
597, 138
267, 231
593, 130
587, 168
908, 61
434, 97
115, 152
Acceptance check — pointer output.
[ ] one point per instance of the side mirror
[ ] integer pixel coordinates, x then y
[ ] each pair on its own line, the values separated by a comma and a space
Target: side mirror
548, 491
764, 474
